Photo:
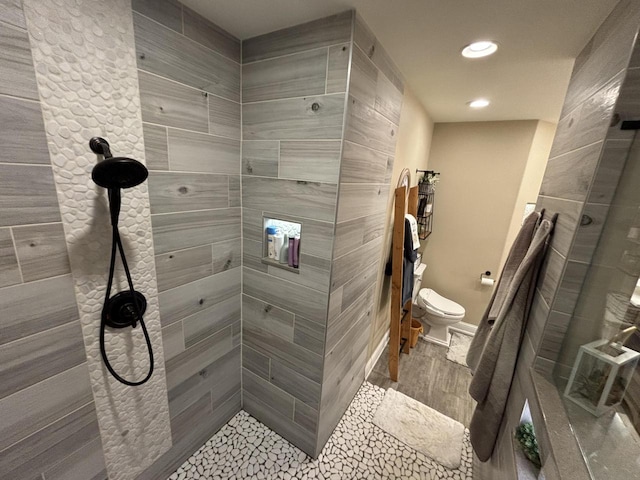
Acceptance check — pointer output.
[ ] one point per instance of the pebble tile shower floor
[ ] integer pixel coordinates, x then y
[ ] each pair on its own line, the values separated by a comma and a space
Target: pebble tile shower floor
245, 448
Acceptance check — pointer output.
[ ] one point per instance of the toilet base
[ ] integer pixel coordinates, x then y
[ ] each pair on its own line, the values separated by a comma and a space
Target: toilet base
438, 334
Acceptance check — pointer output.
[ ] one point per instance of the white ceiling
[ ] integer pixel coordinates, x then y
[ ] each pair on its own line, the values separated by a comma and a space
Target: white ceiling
526, 79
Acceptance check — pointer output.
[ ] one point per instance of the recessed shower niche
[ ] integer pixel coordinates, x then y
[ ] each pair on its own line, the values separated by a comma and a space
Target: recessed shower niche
281, 243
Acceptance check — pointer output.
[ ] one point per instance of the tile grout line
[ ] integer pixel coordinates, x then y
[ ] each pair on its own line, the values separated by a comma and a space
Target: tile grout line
17, 27
189, 172
15, 250
166, 131
240, 178
185, 85
326, 72
47, 331
277, 387
293, 53
84, 405
293, 410
180, 129
565, 199
158, 214
299, 285
297, 179
212, 266
15, 164
575, 150
208, 113
187, 37
181, 20
263, 301
208, 337
39, 280
37, 383
200, 279
298, 97
294, 140
15, 97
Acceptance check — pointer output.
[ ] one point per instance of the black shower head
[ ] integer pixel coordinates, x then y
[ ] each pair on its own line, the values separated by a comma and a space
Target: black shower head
119, 172
115, 172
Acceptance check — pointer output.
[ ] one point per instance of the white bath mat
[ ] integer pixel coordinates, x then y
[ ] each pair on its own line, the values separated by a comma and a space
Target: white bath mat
458, 348
421, 428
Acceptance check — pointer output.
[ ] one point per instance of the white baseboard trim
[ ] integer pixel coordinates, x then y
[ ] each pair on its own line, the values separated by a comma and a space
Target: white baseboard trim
376, 355
464, 328
437, 341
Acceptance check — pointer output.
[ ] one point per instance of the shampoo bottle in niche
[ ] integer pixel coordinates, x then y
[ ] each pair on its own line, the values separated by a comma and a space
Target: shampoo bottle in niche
296, 251
278, 242
284, 250
290, 252
271, 240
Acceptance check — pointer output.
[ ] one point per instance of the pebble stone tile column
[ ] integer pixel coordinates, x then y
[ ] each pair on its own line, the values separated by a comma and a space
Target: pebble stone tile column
85, 64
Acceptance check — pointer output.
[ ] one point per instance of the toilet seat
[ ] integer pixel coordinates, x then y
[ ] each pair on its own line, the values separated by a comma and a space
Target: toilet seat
439, 305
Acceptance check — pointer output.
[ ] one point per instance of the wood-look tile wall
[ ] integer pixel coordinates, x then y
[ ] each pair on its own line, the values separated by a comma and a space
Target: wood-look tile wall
189, 73
295, 159
293, 98
304, 351
585, 165
611, 209
373, 116
586, 161
47, 414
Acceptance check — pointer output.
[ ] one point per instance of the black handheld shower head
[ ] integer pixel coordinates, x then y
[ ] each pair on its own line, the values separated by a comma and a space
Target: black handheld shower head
125, 309
119, 172
115, 172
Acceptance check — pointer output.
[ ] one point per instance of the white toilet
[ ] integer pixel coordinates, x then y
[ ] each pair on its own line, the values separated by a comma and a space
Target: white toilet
438, 313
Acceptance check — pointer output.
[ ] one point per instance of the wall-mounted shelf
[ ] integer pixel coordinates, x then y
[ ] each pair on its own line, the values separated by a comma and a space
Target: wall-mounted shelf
275, 263
286, 230
424, 215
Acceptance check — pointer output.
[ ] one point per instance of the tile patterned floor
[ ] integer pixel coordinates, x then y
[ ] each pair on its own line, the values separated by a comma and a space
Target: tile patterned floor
427, 376
245, 448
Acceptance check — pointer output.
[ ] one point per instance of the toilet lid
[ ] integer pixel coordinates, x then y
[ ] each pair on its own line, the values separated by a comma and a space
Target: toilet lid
438, 302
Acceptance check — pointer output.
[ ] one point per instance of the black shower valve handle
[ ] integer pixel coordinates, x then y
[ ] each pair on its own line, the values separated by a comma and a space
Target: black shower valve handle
133, 313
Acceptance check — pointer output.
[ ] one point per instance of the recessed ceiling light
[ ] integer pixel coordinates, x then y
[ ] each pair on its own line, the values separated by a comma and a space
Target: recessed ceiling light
479, 49
479, 103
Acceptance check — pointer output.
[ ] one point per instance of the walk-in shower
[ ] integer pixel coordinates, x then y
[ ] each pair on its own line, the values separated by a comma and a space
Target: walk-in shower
597, 370
126, 308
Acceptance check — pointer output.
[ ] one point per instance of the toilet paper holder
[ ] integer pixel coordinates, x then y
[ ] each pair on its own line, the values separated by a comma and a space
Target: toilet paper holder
485, 280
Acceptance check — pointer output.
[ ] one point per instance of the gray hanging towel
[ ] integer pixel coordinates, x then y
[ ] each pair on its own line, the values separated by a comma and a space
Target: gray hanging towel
494, 350
517, 253
409, 257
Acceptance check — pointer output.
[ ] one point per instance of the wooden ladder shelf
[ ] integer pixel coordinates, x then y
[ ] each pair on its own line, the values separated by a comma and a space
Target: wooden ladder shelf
400, 322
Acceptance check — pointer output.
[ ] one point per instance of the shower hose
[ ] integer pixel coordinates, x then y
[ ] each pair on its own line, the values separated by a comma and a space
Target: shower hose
114, 207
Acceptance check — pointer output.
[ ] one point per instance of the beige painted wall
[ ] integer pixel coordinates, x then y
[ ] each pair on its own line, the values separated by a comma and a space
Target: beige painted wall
412, 152
482, 166
531, 181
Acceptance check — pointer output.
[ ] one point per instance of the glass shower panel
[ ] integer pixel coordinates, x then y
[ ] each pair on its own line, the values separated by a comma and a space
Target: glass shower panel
597, 371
